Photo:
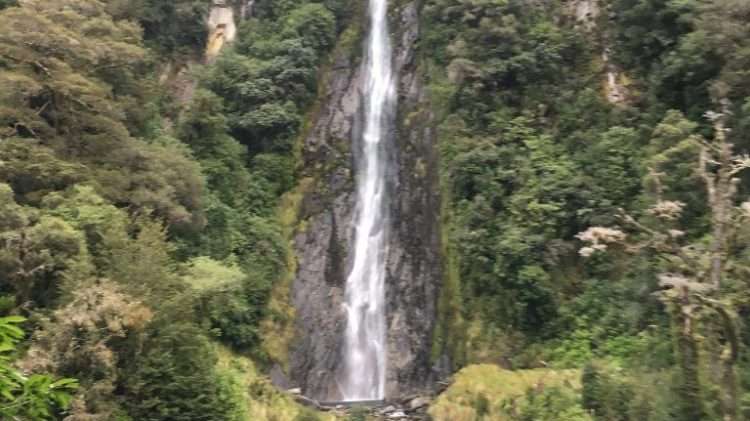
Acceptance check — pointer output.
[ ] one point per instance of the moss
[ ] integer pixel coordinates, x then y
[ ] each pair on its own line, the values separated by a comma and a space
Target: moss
449, 325
490, 390
253, 395
350, 41
448, 335
440, 89
278, 329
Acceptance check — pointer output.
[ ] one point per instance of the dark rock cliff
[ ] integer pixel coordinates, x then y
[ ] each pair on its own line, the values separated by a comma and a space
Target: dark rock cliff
326, 231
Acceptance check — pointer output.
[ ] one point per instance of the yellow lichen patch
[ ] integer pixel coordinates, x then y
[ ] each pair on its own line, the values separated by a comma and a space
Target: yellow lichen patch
623, 80
497, 388
215, 41
254, 396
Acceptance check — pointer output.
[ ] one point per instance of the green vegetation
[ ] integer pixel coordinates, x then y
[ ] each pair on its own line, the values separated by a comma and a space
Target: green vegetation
168, 26
37, 396
593, 224
537, 151
138, 233
487, 392
255, 395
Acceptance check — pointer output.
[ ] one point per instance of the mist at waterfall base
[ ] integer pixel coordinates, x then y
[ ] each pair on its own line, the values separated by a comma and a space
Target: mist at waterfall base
364, 364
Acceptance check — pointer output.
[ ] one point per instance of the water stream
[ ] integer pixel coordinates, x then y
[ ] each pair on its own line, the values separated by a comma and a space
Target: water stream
363, 377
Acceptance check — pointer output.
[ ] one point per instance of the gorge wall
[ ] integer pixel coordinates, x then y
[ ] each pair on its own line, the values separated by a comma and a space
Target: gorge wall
325, 233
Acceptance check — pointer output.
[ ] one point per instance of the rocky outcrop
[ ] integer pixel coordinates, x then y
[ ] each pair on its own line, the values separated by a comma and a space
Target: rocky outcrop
323, 241
584, 12
615, 84
222, 26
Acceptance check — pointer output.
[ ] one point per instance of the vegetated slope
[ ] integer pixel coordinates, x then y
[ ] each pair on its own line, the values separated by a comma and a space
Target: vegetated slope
134, 246
488, 392
536, 148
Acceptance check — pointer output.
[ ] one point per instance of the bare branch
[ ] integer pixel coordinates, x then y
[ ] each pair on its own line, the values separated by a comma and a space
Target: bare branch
630, 220
727, 322
657, 183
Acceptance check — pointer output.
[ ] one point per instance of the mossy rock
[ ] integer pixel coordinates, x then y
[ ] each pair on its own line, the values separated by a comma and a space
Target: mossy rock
490, 393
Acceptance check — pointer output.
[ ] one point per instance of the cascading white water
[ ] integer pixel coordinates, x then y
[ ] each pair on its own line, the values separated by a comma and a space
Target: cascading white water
363, 377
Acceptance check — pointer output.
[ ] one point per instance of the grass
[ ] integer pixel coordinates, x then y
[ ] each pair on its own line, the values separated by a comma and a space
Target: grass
254, 395
493, 388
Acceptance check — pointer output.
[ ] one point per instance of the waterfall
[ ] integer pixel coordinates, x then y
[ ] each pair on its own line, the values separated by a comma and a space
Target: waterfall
363, 377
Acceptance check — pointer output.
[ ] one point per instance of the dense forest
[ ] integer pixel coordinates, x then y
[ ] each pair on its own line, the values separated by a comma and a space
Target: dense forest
594, 217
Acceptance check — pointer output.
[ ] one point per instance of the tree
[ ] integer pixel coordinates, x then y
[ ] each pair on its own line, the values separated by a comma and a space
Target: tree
70, 83
169, 26
695, 275
38, 253
104, 225
33, 170
225, 300
315, 24
92, 338
175, 378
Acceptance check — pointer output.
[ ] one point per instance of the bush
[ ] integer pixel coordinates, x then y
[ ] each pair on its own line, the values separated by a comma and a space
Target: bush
175, 378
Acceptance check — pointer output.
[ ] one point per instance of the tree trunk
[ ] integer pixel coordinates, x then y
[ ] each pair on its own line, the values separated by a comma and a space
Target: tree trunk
729, 357
688, 383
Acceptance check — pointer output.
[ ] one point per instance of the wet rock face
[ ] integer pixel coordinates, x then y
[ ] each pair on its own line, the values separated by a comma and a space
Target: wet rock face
317, 296
323, 243
322, 247
414, 268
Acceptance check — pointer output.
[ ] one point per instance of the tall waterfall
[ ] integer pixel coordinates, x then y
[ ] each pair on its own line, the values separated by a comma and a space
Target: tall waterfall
363, 377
